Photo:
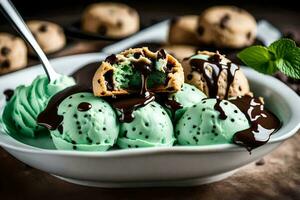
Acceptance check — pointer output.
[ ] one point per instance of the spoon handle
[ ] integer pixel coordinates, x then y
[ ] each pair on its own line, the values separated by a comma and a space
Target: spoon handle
15, 18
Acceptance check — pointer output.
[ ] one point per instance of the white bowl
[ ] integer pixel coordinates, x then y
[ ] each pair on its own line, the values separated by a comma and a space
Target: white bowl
165, 166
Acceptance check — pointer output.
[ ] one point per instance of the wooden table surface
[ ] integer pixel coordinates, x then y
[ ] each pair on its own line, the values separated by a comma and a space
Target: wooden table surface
277, 177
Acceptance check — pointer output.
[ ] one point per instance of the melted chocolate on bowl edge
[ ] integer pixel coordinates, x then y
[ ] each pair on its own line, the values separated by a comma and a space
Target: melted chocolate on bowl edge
262, 123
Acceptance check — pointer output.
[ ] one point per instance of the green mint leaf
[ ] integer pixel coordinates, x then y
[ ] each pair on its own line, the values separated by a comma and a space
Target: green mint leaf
259, 58
289, 64
283, 55
282, 47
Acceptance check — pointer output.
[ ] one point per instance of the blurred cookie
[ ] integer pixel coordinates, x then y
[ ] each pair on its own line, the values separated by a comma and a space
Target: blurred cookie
115, 20
183, 30
226, 26
13, 53
50, 36
180, 51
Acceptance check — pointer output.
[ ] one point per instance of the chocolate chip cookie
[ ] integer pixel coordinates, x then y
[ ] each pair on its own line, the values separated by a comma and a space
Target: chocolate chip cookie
132, 69
226, 26
114, 20
13, 53
50, 36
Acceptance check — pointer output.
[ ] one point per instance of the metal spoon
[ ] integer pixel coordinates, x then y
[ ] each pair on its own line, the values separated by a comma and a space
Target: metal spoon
15, 18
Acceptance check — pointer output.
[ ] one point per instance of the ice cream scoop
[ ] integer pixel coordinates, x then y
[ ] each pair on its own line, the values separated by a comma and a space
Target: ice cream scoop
210, 121
177, 103
89, 124
215, 75
151, 127
22, 109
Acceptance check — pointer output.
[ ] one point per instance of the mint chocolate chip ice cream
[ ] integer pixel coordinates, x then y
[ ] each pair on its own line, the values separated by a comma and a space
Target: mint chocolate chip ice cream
151, 127
210, 121
89, 124
21, 111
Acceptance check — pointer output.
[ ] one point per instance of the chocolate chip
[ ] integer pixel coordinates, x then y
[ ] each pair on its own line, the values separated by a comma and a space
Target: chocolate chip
112, 59
136, 55
5, 51
89, 140
119, 24
260, 162
224, 20
161, 54
5, 64
200, 30
248, 35
102, 30
189, 77
43, 28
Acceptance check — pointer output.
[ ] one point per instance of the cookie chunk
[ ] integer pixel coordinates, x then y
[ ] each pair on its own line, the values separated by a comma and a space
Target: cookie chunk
180, 51
215, 75
226, 26
114, 20
13, 53
183, 30
50, 36
124, 73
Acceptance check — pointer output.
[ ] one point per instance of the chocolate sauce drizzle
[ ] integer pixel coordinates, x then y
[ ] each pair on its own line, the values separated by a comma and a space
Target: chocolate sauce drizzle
8, 94
218, 108
131, 102
126, 104
49, 118
262, 123
212, 78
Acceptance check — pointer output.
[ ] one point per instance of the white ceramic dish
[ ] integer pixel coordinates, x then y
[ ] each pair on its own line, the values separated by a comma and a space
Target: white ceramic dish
169, 166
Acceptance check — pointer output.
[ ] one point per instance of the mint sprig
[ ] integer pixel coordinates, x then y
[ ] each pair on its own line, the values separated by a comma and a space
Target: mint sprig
282, 55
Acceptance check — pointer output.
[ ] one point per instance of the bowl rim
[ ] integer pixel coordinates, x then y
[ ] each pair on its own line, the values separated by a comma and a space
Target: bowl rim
291, 128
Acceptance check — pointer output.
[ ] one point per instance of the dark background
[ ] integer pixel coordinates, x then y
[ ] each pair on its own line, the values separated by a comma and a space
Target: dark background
66, 11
